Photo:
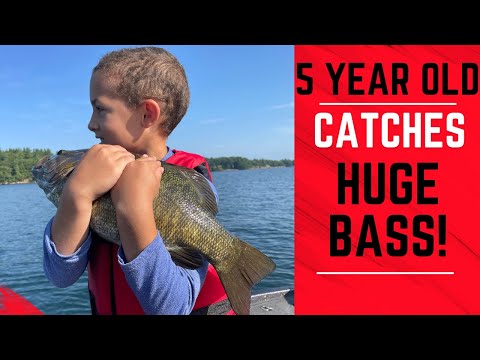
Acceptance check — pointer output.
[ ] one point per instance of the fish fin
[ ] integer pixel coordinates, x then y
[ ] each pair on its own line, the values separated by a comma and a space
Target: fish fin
72, 152
205, 195
251, 267
185, 257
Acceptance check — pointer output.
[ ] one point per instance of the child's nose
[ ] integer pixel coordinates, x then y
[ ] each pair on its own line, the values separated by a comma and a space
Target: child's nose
92, 125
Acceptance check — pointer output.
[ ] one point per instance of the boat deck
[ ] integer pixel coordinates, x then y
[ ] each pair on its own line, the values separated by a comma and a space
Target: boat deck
278, 302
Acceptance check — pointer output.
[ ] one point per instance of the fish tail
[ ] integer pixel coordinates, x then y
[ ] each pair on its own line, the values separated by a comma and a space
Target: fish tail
251, 267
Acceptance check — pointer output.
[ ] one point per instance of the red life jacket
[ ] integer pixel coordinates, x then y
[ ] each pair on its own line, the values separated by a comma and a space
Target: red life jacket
109, 290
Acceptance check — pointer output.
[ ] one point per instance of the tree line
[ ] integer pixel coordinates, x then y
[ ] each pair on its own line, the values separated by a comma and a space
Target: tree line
241, 163
16, 164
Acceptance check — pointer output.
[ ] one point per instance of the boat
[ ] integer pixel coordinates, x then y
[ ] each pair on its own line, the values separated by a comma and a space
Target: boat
274, 302
12, 303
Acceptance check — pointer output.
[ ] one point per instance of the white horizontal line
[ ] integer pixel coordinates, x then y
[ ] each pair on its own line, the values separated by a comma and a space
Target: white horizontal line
385, 272
390, 104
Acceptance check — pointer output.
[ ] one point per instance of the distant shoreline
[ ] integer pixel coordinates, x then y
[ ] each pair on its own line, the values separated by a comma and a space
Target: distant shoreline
18, 182
253, 168
16, 164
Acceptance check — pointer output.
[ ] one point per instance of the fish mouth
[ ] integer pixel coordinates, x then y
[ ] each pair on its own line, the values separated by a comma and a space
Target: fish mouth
38, 169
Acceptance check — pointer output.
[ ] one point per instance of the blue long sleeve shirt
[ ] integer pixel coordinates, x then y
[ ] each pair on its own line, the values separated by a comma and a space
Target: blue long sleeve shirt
162, 287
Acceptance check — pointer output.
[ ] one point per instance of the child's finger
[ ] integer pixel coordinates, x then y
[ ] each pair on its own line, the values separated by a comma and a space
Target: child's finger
145, 157
159, 171
124, 160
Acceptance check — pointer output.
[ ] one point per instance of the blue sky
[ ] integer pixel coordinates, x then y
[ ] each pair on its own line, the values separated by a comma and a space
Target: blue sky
241, 98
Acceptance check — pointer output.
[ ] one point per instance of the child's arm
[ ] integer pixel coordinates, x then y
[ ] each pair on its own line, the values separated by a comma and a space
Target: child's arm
63, 270
66, 239
71, 222
160, 285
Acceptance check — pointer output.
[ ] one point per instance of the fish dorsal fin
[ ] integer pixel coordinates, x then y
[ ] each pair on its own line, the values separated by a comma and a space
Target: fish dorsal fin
206, 196
72, 152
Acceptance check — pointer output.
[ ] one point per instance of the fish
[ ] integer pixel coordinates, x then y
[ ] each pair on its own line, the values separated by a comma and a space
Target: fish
185, 212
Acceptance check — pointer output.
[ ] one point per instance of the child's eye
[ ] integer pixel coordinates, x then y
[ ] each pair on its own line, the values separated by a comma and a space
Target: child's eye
99, 108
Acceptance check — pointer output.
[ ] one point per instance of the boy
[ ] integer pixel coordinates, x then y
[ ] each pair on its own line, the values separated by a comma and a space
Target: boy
138, 95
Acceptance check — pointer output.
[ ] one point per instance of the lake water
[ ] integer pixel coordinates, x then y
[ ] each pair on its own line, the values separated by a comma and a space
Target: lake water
256, 205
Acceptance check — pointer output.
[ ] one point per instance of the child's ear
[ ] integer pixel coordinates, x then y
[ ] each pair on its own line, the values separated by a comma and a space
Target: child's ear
151, 113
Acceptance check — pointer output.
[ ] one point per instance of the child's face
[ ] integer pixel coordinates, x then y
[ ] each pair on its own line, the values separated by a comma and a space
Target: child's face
112, 121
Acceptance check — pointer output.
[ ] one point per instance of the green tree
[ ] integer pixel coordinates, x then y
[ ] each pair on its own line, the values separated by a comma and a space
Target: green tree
16, 164
241, 163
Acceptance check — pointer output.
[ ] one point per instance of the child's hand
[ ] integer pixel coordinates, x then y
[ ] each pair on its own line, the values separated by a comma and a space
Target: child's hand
138, 185
99, 170
132, 197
